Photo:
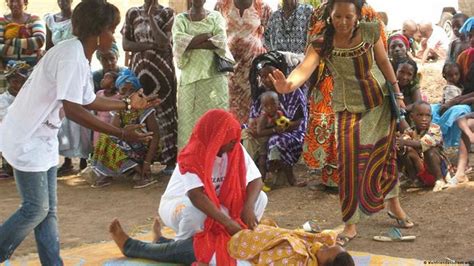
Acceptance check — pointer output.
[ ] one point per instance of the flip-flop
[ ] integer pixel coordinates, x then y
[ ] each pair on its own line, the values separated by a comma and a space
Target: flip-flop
455, 181
342, 240
403, 223
394, 235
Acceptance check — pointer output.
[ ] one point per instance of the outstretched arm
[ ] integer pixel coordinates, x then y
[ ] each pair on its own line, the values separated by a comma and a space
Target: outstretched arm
80, 115
299, 75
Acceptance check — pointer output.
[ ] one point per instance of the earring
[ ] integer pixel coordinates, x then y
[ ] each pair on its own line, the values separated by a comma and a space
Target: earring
98, 40
328, 20
357, 23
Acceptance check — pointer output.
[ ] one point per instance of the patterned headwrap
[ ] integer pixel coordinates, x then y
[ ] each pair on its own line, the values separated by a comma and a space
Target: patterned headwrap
467, 26
20, 68
213, 130
400, 37
272, 58
114, 50
127, 76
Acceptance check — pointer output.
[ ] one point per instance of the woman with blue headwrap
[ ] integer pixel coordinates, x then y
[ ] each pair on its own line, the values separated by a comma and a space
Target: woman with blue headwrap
112, 156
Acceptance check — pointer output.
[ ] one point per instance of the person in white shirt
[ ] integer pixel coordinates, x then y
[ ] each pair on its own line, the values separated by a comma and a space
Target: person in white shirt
214, 192
28, 133
434, 43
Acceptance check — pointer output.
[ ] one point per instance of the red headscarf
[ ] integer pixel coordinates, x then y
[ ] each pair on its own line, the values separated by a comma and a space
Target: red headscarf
213, 130
400, 37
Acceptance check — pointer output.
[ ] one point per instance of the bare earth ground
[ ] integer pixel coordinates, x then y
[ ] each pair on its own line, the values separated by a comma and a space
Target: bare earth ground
443, 220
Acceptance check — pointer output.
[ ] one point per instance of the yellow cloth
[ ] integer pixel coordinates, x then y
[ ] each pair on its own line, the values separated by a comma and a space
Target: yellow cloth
271, 245
15, 30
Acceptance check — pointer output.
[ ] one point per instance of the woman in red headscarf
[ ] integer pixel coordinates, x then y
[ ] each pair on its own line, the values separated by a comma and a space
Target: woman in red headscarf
214, 192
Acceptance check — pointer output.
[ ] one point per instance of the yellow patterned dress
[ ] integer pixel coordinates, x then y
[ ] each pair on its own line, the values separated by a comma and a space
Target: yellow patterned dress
113, 156
268, 245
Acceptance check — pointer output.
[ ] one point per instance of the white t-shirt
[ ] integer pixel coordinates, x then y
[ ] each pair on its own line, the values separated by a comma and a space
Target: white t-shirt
180, 184
6, 99
438, 37
28, 134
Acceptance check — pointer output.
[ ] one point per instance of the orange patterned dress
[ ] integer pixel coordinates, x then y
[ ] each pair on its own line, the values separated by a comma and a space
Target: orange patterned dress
245, 40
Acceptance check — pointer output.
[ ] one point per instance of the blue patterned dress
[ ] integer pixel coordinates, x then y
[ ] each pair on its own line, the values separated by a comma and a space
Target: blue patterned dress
288, 34
288, 144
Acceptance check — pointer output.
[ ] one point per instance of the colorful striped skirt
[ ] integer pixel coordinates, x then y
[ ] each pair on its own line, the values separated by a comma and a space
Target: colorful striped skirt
367, 160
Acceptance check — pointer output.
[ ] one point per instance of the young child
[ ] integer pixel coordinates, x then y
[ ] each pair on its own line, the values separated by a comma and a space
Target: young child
420, 149
452, 75
108, 89
113, 156
461, 41
409, 82
16, 74
266, 127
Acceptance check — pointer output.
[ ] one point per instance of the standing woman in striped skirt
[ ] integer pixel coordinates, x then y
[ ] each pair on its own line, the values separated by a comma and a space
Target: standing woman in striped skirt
353, 49
147, 34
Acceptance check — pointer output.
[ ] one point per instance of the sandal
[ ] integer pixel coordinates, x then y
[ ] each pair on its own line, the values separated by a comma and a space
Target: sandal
144, 182
394, 235
102, 182
342, 240
455, 181
403, 223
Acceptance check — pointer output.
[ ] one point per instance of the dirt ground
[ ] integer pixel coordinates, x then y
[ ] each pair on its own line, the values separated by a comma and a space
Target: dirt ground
443, 220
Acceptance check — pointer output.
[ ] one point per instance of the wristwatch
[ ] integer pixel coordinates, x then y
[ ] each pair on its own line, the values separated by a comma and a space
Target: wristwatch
128, 103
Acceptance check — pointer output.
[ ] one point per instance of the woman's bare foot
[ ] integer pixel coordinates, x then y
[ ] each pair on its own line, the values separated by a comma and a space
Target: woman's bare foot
118, 235
156, 230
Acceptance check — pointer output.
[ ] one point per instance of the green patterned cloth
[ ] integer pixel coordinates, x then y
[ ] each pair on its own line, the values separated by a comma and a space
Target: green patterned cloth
201, 86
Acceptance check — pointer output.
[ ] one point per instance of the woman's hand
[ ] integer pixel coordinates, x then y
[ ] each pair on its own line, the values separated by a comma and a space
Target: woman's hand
279, 81
401, 104
131, 133
249, 218
138, 100
232, 227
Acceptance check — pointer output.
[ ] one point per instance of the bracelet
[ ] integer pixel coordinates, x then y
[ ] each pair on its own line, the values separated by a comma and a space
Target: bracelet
128, 105
399, 97
394, 82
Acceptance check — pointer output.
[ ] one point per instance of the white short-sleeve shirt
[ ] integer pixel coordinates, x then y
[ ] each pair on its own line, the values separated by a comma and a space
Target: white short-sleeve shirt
180, 184
438, 38
28, 133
